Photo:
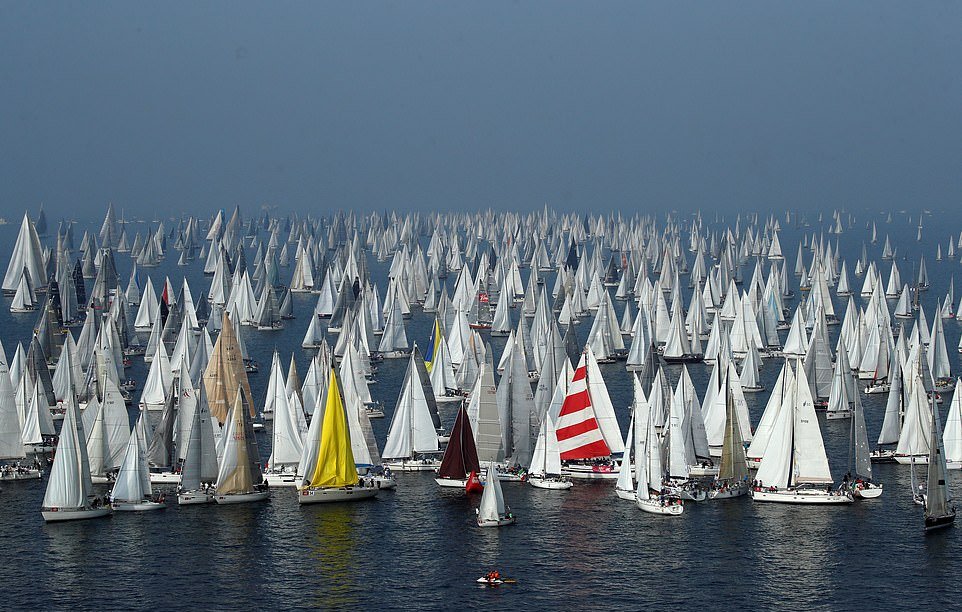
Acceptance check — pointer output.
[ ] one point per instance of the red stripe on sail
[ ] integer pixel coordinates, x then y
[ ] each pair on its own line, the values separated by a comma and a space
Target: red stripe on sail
575, 402
595, 449
589, 424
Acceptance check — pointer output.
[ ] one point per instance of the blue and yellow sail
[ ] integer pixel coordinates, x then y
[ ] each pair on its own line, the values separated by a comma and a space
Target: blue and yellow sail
433, 345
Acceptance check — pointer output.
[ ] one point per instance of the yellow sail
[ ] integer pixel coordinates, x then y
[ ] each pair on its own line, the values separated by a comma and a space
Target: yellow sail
225, 372
335, 459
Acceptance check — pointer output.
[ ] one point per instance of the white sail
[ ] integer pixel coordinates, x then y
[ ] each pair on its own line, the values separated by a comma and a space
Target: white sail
412, 426
952, 435
69, 485
133, 479
492, 506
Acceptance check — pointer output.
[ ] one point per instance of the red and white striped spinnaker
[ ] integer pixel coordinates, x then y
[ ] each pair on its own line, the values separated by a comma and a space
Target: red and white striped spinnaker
579, 435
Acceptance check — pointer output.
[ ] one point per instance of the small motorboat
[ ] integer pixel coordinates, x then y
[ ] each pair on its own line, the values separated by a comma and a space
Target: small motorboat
491, 581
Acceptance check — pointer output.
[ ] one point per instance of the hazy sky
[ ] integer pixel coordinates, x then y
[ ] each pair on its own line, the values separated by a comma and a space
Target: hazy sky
440, 105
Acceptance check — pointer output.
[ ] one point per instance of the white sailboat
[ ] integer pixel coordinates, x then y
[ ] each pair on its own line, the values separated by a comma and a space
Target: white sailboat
412, 441
545, 469
732, 479
649, 465
13, 454
493, 511
69, 494
286, 435
861, 481
794, 468
132, 491
199, 470
938, 514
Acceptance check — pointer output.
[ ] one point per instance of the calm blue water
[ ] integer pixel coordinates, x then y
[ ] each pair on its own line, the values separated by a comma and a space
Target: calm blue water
418, 547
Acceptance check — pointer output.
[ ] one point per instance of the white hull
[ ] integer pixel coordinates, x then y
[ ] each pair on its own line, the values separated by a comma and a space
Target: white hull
695, 494
552, 484
451, 483
654, 506
501, 522
21, 474
194, 498
345, 494
448, 399
626, 495
242, 498
285, 479
413, 465
803, 496
867, 492
729, 492
590, 472
395, 355
838, 414
142, 506
384, 483
699, 471
164, 478
75, 514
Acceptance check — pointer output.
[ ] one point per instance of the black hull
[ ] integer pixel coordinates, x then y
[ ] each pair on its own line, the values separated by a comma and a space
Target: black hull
933, 523
684, 359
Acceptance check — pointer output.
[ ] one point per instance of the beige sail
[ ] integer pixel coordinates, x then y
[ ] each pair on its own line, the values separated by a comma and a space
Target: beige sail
225, 374
235, 474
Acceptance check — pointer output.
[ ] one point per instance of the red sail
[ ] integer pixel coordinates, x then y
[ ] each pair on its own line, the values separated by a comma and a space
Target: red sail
461, 455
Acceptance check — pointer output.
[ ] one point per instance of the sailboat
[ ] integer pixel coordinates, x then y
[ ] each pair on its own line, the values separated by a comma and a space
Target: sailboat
412, 441
11, 440
132, 490
545, 469
460, 458
625, 486
649, 467
937, 514
332, 474
493, 512
732, 479
794, 468
588, 431
199, 471
286, 435
239, 477
69, 494
862, 485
